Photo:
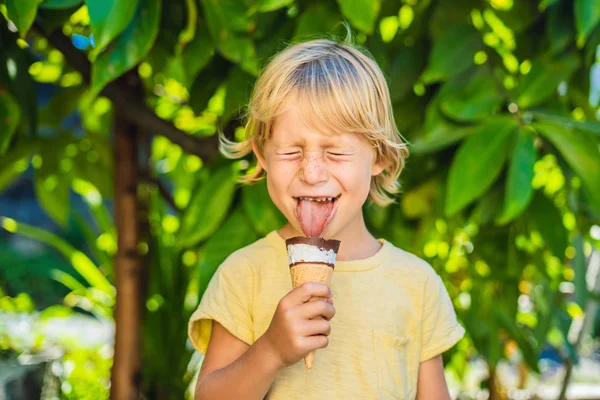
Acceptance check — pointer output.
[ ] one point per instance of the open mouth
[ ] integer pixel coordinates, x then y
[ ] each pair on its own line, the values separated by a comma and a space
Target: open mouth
315, 212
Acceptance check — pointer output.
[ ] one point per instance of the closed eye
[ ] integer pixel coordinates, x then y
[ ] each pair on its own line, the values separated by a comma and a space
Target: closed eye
338, 154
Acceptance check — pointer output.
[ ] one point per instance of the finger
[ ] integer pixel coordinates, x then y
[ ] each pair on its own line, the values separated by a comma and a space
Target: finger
316, 327
316, 342
315, 309
304, 292
330, 300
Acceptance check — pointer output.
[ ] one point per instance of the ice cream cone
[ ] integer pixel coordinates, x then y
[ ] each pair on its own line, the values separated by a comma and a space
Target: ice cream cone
311, 272
311, 260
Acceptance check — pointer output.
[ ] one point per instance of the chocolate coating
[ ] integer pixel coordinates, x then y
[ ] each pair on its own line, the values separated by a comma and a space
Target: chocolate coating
330, 244
311, 262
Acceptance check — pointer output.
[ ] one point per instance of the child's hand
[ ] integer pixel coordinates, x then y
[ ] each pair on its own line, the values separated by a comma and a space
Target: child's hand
299, 326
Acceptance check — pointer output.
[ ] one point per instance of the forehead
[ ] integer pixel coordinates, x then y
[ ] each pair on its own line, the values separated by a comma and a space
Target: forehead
284, 134
299, 126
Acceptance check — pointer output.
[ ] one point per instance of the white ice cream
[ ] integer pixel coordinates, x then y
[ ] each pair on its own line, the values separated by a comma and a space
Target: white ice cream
308, 253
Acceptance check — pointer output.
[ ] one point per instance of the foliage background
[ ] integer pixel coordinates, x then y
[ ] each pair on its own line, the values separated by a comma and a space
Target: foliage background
498, 98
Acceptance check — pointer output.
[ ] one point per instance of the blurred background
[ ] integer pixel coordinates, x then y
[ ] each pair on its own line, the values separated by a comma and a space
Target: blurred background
109, 111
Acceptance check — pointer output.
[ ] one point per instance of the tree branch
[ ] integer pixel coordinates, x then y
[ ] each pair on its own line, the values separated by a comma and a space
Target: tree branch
134, 110
162, 190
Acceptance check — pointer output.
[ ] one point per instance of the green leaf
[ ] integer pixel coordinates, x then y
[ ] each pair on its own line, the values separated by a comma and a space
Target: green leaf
229, 15
559, 26
15, 162
489, 205
207, 82
22, 14
208, 207
568, 122
447, 13
361, 13
82, 264
581, 153
593, 296
94, 171
377, 216
10, 114
60, 4
14, 73
452, 53
272, 5
50, 19
198, 53
547, 3
587, 16
494, 346
239, 86
520, 16
91, 237
547, 220
580, 268
110, 18
409, 112
195, 56
478, 100
52, 185
259, 208
62, 105
229, 24
233, 235
508, 322
433, 113
519, 190
543, 79
478, 163
272, 34
546, 302
316, 19
130, 47
406, 68
442, 136
189, 31
173, 22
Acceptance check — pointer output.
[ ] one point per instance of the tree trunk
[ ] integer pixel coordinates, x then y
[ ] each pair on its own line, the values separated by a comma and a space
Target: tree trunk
126, 370
496, 392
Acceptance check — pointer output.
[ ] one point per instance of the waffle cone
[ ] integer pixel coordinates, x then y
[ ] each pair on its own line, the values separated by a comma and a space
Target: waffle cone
311, 272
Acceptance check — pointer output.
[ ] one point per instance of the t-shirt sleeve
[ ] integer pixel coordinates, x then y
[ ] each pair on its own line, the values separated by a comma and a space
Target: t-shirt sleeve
227, 300
440, 329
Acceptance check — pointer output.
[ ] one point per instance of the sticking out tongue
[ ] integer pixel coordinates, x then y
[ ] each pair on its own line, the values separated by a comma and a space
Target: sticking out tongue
313, 216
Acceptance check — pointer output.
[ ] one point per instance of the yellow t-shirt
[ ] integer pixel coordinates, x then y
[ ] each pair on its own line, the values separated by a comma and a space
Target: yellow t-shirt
392, 312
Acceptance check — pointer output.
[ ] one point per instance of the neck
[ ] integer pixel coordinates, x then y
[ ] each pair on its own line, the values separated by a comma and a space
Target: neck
357, 241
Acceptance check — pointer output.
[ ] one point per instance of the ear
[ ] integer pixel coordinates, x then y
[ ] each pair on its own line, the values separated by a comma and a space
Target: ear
377, 168
261, 160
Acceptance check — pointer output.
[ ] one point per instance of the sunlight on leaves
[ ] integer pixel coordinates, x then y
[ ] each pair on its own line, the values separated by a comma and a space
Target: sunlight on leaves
388, 26
406, 16
9, 224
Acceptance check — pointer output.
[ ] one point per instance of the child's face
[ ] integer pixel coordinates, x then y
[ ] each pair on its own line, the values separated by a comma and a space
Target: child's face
304, 166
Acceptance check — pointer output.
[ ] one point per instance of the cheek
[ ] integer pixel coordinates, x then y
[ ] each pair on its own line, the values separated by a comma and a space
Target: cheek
356, 179
281, 176
278, 181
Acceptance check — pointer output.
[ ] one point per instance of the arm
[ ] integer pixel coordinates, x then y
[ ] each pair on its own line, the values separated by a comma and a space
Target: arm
432, 382
228, 359
293, 333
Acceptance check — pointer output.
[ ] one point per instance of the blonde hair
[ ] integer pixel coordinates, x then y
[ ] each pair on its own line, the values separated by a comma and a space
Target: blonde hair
340, 88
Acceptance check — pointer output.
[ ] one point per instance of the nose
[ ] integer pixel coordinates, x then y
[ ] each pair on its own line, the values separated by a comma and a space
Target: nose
313, 170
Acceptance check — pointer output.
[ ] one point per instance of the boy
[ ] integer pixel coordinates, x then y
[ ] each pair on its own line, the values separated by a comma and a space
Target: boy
320, 124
